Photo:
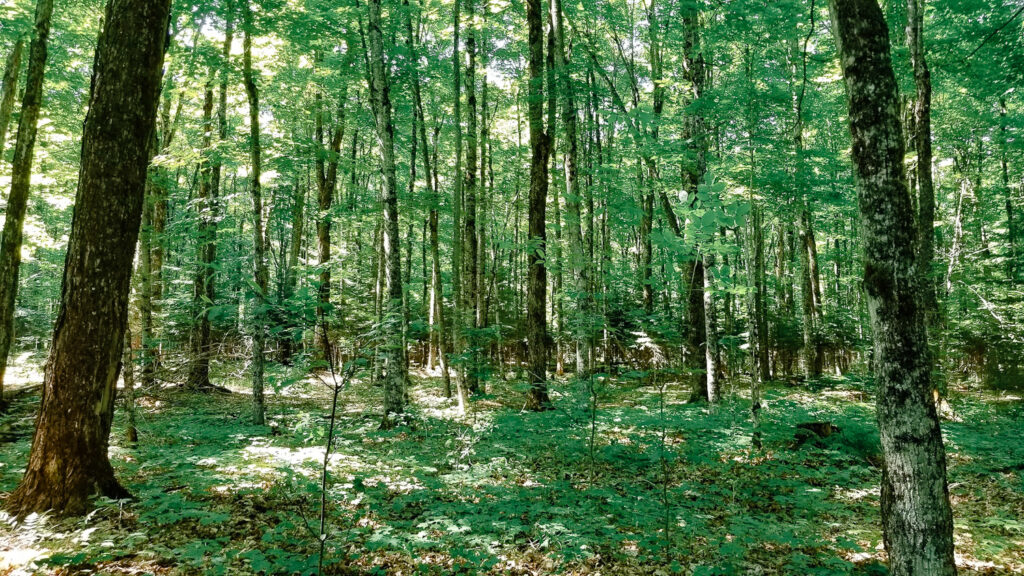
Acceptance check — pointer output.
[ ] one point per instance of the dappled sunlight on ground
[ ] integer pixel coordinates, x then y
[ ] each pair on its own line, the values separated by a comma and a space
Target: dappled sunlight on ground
666, 484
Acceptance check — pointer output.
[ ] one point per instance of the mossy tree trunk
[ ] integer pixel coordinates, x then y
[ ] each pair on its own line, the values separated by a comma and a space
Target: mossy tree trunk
916, 515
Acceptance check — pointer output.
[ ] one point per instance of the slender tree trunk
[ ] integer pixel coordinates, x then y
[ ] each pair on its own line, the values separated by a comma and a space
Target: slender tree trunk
916, 516
9, 90
291, 336
260, 272
536, 316
1011, 223
393, 356
808, 250
712, 354
21, 176
468, 308
128, 367
68, 463
458, 329
203, 293
486, 186
327, 182
922, 138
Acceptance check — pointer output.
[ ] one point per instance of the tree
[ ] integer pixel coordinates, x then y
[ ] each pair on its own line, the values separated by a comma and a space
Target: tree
922, 139
537, 283
393, 360
260, 273
916, 514
68, 463
9, 90
203, 292
21, 176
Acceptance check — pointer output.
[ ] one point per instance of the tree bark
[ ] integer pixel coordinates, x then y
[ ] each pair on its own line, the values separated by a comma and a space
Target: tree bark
21, 176
327, 183
393, 355
457, 193
536, 315
436, 296
261, 275
916, 516
468, 309
9, 91
922, 138
203, 294
68, 463
131, 432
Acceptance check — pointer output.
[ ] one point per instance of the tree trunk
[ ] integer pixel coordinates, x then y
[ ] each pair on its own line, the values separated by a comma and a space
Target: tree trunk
916, 516
808, 251
21, 176
1011, 224
536, 315
468, 309
436, 306
393, 356
712, 354
131, 433
68, 463
457, 193
922, 137
12, 69
203, 294
327, 182
261, 275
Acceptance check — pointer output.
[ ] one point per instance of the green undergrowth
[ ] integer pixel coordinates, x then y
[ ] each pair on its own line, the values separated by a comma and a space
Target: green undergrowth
666, 487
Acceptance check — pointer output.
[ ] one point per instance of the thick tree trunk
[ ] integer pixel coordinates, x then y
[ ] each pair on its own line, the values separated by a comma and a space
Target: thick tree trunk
393, 355
916, 514
8, 91
536, 315
68, 463
260, 272
21, 176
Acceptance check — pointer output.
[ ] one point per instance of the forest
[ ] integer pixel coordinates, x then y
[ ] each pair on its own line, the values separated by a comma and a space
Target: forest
525, 287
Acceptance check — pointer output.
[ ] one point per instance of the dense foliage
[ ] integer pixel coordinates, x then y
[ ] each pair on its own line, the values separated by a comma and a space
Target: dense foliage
341, 191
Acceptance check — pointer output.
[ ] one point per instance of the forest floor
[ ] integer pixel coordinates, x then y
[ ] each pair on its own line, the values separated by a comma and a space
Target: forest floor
652, 485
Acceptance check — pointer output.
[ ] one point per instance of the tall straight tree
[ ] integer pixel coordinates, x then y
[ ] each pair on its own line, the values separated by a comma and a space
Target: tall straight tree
916, 514
537, 282
21, 176
922, 138
436, 313
457, 231
578, 262
260, 272
206, 252
8, 90
468, 310
326, 183
393, 354
68, 463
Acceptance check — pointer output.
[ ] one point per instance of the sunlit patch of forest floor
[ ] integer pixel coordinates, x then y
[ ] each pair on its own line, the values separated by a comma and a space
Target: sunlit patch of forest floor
652, 485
